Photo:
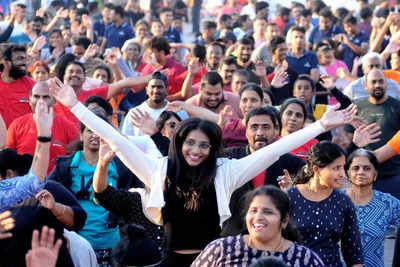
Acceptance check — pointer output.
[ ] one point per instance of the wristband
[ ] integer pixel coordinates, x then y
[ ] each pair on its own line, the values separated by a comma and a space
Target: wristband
44, 139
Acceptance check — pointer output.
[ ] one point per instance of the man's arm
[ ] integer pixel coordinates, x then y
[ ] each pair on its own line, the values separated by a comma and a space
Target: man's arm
136, 84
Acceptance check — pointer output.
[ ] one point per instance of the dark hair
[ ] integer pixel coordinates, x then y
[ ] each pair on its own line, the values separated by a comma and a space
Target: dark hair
321, 155
108, 5
62, 64
11, 160
180, 4
242, 20
246, 41
366, 12
326, 13
284, 11
103, 103
160, 44
224, 18
99, 113
305, 13
142, 22
82, 11
307, 78
119, 10
179, 173
221, 45
268, 261
242, 72
199, 51
54, 30
259, 17
275, 41
317, 6
81, 41
362, 153
159, 76
38, 19
261, 5
271, 96
252, 87
7, 54
350, 19
164, 116
281, 202
106, 68
165, 9
74, 62
211, 78
298, 29
290, 101
261, 111
277, 115
209, 24
229, 60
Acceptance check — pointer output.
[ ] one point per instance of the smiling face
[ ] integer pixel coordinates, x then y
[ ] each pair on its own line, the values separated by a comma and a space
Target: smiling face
263, 220
74, 76
333, 175
196, 148
156, 91
362, 172
214, 55
90, 140
211, 95
292, 118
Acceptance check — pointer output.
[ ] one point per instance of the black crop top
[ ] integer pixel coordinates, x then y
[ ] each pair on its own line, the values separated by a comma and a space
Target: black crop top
192, 228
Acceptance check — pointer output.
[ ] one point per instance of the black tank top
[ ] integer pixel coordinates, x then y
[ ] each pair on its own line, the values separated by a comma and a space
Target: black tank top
192, 224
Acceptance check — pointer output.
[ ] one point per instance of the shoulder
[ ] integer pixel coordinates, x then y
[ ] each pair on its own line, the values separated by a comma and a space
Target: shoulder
310, 257
341, 196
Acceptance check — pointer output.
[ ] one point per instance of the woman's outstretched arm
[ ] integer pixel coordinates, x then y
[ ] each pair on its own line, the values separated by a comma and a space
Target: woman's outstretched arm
129, 153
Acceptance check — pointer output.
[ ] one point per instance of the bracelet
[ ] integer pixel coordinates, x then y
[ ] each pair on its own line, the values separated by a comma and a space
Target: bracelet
44, 139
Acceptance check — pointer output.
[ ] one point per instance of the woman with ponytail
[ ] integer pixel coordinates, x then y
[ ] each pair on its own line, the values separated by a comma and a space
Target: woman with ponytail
325, 216
269, 233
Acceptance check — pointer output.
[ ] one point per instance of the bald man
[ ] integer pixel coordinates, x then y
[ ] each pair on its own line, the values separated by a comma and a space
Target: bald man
22, 133
383, 109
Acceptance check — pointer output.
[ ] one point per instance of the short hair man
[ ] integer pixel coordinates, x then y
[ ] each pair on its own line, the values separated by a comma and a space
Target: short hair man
326, 27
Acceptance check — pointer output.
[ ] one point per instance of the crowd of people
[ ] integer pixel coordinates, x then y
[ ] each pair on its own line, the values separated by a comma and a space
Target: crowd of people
264, 135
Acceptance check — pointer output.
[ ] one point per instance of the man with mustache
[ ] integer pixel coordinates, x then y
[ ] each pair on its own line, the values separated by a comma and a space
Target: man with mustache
15, 85
262, 129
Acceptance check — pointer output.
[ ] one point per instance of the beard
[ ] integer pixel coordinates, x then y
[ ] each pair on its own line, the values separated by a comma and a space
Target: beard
16, 72
245, 58
378, 93
213, 107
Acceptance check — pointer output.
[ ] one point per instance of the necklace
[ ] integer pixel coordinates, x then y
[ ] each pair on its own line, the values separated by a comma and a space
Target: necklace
277, 248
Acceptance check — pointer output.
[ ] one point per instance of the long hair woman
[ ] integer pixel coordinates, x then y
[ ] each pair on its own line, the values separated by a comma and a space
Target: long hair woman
270, 233
188, 191
325, 215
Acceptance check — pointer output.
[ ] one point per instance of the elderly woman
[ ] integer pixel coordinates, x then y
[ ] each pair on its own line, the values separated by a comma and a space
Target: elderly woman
376, 211
132, 54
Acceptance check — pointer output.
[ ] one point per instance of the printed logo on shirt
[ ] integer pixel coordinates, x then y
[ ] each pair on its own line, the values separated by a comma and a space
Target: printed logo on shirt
57, 143
24, 100
307, 65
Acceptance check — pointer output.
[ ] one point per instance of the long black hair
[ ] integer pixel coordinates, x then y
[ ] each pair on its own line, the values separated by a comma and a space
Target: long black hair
281, 202
179, 173
321, 155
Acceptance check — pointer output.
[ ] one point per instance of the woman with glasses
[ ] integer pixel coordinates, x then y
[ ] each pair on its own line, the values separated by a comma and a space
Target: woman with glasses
188, 191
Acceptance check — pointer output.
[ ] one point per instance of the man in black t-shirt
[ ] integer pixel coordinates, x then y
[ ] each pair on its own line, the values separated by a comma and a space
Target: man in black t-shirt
385, 111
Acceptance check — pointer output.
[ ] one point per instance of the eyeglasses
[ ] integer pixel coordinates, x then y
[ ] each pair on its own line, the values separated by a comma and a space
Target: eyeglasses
202, 146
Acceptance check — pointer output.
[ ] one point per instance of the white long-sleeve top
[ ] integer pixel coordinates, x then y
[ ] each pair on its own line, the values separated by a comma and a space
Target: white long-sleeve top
231, 173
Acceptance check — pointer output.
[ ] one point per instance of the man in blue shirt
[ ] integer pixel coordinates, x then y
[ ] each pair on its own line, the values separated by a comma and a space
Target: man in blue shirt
100, 25
300, 60
119, 31
171, 34
325, 29
354, 43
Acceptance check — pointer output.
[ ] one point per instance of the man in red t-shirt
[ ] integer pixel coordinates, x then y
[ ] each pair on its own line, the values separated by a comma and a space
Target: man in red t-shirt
74, 76
22, 133
160, 51
14, 84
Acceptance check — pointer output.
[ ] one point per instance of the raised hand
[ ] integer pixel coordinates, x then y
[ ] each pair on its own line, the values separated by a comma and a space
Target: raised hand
176, 106
327, 82
341, 73
39, 43
43, 118
334, 118
394, 44
44, 252
280, 79
285, 181
63, 93
194, 66
91, 51
143, 122
86, 21
105, 152
367, 134
225, 115
46, 199
62, 13
40, 12
6, 224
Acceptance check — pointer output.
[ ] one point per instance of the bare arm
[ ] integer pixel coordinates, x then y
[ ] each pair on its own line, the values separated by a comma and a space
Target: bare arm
62, 212
3, 133
101, 173
194, 111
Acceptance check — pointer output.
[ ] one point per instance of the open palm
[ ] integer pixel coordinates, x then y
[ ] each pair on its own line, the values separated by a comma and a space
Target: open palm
63, 93
334, 118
